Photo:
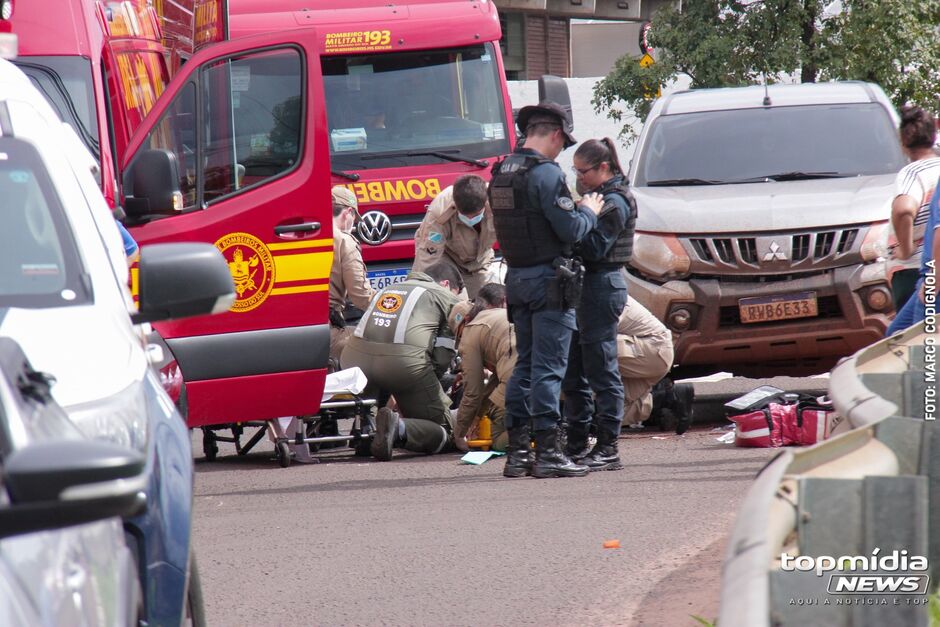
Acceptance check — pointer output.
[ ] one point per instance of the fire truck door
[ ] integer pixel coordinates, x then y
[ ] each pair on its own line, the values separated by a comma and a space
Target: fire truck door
246, 123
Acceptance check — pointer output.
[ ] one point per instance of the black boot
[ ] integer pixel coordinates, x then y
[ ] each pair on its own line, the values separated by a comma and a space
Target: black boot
662, 414
386, 434
518, 453
683, 395
550, 461
604, 455
576, 440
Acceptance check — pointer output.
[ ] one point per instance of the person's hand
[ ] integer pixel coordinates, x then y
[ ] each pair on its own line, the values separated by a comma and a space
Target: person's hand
922, 294
594, 202
461, 444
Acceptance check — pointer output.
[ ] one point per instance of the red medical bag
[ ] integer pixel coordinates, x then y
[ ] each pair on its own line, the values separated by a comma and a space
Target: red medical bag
782, 420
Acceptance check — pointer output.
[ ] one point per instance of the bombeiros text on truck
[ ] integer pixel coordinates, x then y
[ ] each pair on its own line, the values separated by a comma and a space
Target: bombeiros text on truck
416, 96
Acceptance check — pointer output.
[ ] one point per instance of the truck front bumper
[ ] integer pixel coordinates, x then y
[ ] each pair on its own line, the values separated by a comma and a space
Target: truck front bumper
716, 339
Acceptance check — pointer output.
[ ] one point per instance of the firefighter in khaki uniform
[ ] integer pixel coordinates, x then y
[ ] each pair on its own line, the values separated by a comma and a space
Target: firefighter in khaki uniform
644, 356
484, 341
348, 274
458, 230
403, 345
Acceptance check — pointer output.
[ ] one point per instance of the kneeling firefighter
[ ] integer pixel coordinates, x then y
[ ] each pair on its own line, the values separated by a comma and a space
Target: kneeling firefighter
592, 363
484, 342
403, 345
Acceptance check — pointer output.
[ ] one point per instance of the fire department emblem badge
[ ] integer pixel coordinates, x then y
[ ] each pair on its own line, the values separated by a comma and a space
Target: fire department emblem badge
389, 303
252, 268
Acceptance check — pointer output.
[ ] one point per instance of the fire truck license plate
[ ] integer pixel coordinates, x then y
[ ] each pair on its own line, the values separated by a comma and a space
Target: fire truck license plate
383, 278
779, 307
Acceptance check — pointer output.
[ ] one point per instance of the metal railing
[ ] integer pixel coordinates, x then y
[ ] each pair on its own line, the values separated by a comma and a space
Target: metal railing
864, 492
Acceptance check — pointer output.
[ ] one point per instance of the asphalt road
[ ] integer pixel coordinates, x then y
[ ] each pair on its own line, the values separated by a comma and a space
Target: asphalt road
429, 541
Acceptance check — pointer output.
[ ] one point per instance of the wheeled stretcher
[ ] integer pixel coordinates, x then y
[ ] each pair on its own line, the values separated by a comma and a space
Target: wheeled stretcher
293, 436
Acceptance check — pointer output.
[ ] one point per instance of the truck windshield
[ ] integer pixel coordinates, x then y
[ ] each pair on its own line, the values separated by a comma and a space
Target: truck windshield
770, 144
395, 109
39, 265
66, 83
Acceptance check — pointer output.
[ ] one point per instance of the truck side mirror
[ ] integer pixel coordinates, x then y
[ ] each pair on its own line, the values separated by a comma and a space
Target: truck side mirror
68, 482
181, 280
151, 185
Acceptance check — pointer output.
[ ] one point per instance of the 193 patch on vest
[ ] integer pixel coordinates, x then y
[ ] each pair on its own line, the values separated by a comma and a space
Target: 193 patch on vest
565, 203
389, 303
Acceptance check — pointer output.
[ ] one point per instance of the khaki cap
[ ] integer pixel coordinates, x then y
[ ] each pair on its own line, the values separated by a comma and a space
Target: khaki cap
343, 196
457, 315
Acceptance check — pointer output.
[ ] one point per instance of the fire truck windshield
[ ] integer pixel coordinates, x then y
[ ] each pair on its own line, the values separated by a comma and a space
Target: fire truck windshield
67, 84
399, 109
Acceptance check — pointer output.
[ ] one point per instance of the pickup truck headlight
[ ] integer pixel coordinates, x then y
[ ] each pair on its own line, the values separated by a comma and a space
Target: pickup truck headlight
120, 418
659, 256
875, 245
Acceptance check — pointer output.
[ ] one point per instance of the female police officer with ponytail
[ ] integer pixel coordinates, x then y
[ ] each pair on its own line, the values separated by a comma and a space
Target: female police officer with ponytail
592, 363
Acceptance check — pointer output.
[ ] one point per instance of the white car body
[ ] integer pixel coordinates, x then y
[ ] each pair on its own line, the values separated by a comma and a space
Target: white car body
98, 357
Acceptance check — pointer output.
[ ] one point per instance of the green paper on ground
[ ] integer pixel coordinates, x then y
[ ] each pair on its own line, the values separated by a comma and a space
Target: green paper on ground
478, 457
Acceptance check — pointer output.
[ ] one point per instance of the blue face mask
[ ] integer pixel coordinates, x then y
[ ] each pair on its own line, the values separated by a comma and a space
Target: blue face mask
475, 220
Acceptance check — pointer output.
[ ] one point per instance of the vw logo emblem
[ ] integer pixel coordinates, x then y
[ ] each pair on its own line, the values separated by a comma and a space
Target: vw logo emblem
374, 228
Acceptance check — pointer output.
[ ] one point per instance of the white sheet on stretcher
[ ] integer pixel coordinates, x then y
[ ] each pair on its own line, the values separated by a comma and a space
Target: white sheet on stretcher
349, 381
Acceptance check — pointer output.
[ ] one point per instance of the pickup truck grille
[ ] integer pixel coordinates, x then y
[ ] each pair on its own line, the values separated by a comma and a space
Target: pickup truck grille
783, 252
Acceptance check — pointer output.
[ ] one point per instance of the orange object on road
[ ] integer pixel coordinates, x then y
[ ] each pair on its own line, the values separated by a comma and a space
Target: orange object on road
612, 544
485, 429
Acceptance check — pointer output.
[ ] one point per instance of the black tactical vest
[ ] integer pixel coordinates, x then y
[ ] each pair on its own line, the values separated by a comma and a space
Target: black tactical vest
525, 235
622, 250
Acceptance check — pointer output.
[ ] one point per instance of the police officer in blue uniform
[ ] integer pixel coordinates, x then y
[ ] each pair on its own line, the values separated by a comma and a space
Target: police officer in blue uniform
592, 364
537, 223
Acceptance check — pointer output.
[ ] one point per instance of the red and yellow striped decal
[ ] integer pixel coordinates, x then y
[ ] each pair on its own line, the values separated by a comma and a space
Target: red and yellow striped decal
302, 266
299, 267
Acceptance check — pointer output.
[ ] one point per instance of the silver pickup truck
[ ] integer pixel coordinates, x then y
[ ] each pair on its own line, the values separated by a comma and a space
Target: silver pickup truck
761, 214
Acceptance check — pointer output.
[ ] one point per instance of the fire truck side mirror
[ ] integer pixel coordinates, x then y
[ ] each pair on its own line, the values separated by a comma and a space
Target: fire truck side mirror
151, 185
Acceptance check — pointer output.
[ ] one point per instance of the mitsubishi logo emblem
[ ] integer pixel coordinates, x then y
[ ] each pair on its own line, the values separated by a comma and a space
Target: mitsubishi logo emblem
775, 254
374, 228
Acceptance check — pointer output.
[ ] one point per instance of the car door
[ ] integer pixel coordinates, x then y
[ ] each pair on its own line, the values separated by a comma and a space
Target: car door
247, 124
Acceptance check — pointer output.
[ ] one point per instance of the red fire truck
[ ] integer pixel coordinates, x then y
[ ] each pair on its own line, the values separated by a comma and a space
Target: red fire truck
415, 97
102, 64
242, 147
395, 102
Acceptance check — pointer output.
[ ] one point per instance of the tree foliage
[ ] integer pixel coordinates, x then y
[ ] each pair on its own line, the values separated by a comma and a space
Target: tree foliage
726, 43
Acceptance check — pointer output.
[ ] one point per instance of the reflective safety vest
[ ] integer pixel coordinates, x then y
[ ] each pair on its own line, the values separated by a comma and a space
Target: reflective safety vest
412, 313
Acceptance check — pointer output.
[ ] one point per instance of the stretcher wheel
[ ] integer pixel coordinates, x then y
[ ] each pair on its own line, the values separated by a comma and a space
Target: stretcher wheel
363, 448
282, 452
209, 448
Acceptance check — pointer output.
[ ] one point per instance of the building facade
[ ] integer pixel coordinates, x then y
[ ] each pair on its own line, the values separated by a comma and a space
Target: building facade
540, 37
